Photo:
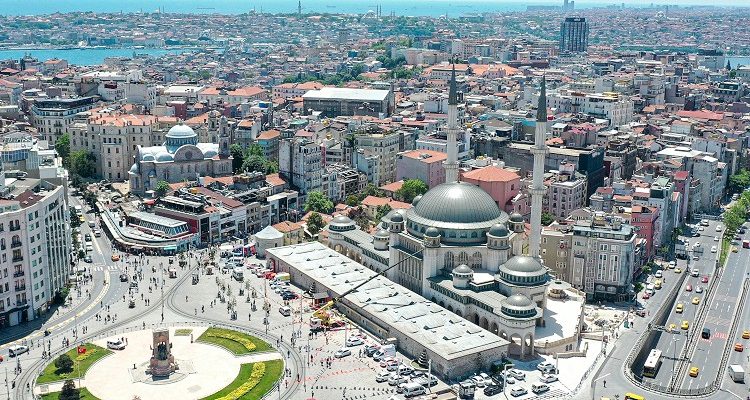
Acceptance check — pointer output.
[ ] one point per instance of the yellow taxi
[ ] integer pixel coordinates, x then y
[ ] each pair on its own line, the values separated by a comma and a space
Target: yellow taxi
739, 347
680, 307
82, 219
746, 334
115, 257
696, 300
684, 325
671, 327
678, 270
693, 371
734, 249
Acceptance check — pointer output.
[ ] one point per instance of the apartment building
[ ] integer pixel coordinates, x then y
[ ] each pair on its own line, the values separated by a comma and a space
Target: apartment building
566, 191
615, 108
301, 163
35, 243
53, 117
382, 148
604, 258
425, 165
292, 90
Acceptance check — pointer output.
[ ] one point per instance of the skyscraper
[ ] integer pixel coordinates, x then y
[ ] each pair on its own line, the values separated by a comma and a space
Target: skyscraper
539, 150
574, 35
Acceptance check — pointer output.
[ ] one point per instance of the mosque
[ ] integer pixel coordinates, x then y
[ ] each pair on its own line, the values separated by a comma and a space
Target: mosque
455, 247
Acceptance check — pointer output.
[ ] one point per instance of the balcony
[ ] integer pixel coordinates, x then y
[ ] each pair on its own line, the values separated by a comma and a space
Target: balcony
18, 274
20, 303
17, 258
13, 245
20, 288
14, 228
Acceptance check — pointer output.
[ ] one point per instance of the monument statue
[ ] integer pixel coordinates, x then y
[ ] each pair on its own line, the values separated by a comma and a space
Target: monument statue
162, 362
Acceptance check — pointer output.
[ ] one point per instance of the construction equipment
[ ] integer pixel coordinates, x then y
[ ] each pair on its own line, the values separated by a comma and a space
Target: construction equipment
323, 317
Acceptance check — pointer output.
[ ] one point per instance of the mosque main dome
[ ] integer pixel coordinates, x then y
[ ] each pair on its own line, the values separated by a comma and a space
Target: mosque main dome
460, 211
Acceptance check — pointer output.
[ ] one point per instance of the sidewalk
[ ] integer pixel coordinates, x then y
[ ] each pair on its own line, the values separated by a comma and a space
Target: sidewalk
12, 334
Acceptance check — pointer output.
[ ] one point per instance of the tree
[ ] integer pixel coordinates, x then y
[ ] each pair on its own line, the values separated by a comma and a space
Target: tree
371, 190
254, 163
411, 189
82, 163
69, 391
315, 223
63, 148
255, 150
162, 187
739, 181
729, 66
64, 363
382, 211
547, 218
318, 202
352, 200
238, 157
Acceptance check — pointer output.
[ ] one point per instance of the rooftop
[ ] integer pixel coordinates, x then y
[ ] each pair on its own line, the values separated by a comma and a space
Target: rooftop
347, 94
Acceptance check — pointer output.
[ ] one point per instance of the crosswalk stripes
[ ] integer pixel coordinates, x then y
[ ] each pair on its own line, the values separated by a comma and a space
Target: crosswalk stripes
100, 268
554, 394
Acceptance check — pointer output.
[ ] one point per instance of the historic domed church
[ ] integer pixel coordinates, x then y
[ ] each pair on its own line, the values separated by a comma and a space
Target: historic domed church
180, 158
458, 249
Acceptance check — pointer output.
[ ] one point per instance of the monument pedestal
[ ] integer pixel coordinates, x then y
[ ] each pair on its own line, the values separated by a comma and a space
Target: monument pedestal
162, 362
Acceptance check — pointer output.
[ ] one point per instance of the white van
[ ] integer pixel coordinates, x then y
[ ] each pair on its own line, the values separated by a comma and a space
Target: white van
238, 273
116, 344
285, 311
17, 350
538, 388
412, 389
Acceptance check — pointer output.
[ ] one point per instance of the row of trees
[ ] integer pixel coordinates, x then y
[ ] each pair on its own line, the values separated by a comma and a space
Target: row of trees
251, 160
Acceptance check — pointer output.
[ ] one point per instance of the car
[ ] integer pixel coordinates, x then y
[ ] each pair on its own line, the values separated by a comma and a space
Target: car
746, 334
382, 376
671, 327
88, 259
678, 270
370, 349
713, 249
405, 370
15, 351
699, 289
646, 296
89, 247
684, 325
545, 366
697, 244
659, 274
696, 233
354, 341
695, 272
679, 308
510, 380
425, 381
548, 378
696, 300
704, 279
704, 222
518, 391
716, 239
701, 229
87, 237
693, 371
395, 379
115, 257
742, 231
341, 353
696, 256
734, 249
718, 228
479, 381
116, 344
492, 390
392, 367
689, 288
520, 375
672, 264
739, 347
388, 361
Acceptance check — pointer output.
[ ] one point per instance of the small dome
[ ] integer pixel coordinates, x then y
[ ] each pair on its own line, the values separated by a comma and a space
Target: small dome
415, 201
341, 219
432, 232
516, 217
164, 157
519, 301
499, 230
134, 169
382, 233
524, 265
209, 154
397, 217
463, 269
341, 223
181, 131
148, 157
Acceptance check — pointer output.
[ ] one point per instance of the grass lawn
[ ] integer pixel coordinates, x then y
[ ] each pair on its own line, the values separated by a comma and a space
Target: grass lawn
274, 369
724, 251
85, 395
228, 340
183, 332
93, 353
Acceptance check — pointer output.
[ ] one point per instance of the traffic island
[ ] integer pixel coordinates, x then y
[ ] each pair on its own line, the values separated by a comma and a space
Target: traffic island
253, 381
81, 359
237, 343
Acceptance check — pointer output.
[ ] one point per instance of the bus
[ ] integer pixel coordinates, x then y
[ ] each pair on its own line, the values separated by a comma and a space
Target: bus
652, 364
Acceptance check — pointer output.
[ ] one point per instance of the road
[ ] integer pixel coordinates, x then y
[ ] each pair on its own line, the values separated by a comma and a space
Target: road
672, 344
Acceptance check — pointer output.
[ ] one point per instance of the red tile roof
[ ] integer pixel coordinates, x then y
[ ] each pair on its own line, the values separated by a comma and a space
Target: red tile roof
492, 173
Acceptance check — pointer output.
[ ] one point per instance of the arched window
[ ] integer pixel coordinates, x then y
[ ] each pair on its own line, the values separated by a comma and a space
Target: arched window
463, 258
448, 261
473, 235
476, 260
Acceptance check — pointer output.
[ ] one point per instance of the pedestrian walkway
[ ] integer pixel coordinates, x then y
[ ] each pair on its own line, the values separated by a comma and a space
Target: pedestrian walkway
111, 268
